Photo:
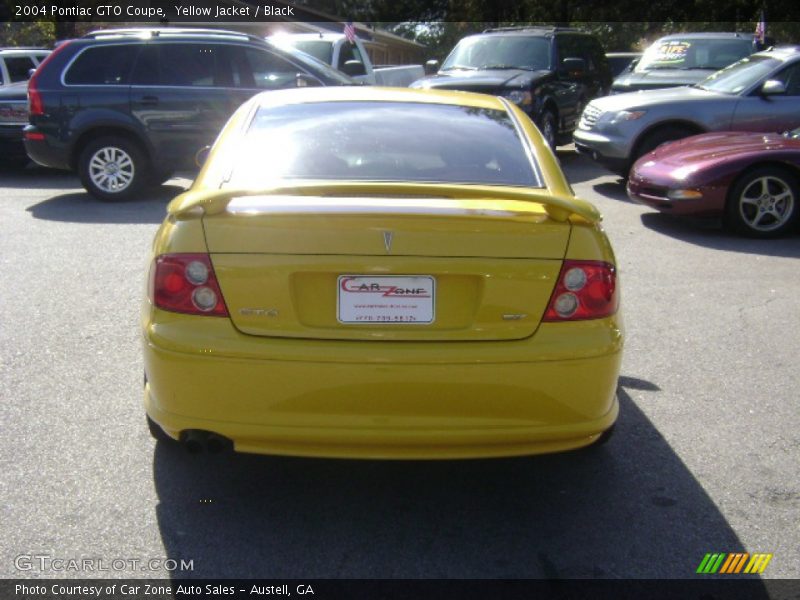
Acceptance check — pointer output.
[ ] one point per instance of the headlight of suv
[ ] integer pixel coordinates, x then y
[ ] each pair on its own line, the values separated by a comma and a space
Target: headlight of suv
623, 115
519, 97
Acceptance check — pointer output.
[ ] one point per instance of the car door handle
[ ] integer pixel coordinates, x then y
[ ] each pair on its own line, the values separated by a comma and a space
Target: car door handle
149, 100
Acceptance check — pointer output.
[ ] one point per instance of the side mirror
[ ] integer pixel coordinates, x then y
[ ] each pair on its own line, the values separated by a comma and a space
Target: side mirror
633, 64
431, 66
354, 68
306, 80
31, 72
574, 67
772, 87
201, 156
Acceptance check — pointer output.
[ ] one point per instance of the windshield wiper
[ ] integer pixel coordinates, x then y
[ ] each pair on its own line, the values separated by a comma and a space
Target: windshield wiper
504, 67
460, 67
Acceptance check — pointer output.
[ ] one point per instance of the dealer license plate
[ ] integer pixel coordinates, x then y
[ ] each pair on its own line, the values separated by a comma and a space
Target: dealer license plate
386, 299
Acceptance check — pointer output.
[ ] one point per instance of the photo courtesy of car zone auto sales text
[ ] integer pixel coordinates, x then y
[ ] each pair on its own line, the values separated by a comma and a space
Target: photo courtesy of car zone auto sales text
366, 299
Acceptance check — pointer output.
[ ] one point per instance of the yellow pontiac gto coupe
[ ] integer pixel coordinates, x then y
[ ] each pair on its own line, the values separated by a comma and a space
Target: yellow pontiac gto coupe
381, 273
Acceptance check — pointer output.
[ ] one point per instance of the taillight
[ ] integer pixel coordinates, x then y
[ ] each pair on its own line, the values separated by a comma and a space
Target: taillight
586, 289
186, 283
35, 103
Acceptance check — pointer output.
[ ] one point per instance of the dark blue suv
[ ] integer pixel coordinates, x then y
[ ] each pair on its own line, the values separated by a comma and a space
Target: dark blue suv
126, 108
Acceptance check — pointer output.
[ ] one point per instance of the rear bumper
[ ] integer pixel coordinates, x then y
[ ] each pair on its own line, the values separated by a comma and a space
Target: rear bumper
611, 153
382, 399
44, 152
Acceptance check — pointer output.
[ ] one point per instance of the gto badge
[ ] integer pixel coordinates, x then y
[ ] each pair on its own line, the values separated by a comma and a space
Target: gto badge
387, 240
259, 312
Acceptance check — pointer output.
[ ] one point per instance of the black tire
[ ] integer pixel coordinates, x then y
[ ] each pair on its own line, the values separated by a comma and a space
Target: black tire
654, 139
113, 168
548, 125
762, 203
156, 432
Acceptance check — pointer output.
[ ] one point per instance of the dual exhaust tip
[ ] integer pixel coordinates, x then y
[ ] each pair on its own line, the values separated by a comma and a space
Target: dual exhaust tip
197, 441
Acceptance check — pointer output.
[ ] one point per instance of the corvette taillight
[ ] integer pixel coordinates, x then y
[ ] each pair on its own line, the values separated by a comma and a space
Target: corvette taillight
186, 283
586, 289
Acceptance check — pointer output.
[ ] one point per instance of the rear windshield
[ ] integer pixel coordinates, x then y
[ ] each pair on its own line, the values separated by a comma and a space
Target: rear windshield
694, 53
382, 141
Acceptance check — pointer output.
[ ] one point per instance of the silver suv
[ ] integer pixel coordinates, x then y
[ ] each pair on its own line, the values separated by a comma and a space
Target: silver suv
16, 63
759, 93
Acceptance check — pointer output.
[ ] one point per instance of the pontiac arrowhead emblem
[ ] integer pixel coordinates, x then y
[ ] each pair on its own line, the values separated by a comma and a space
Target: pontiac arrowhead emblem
387, 240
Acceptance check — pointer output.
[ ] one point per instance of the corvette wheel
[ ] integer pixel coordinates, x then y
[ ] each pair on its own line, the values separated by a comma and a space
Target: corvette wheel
763, 203
156, 432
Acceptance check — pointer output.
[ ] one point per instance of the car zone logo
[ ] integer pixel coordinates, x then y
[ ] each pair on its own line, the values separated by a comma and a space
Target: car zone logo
354, 285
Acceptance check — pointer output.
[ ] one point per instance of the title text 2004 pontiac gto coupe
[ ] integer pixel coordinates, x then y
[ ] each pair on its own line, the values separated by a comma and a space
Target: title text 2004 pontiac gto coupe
375, 273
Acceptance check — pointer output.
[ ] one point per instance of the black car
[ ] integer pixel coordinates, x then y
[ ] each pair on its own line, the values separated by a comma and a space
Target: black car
549, 72
126, 108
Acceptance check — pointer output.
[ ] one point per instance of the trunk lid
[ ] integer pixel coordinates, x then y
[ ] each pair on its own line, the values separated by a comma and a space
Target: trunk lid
387, 268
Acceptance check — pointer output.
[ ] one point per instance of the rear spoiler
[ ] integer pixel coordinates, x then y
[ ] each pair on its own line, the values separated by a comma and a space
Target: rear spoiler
558, 208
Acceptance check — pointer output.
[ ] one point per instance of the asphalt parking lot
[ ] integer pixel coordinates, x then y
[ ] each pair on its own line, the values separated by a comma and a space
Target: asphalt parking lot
704, 458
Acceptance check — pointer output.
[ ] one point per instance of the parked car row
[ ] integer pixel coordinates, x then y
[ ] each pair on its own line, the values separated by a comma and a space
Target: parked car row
125, 108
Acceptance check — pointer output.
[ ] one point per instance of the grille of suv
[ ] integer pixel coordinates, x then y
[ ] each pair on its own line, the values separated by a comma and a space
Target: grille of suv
589, 117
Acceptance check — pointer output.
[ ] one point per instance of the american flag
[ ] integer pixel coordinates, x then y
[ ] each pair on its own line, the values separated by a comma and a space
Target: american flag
761, 28
350, 32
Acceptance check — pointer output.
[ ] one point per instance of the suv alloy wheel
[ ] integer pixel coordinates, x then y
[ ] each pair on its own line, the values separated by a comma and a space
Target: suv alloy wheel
113, 168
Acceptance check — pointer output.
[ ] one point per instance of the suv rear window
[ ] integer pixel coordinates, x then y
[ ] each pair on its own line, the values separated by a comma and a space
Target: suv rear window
382, 141
102, 65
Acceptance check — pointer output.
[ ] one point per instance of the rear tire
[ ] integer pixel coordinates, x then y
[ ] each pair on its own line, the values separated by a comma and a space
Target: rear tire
763, 203
156, 432
113, 169
549, 128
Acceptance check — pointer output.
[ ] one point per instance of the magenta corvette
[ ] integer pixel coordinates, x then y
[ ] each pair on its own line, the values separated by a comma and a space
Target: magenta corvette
751, 180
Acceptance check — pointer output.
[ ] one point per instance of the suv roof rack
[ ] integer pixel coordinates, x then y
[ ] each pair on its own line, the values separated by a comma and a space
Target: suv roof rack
170, 31
7, 48
544, 28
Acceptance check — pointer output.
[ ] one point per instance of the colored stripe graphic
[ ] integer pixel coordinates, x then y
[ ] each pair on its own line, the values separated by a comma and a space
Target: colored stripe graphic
733, 563
758, 563
711, 563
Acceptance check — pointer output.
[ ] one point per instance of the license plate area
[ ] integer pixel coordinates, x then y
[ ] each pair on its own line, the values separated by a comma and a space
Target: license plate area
386, 299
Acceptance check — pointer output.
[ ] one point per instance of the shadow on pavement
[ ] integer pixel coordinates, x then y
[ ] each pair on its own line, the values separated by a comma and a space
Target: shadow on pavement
36, 177
709, 233
627, 509
615, 190
579, 168
80, 207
